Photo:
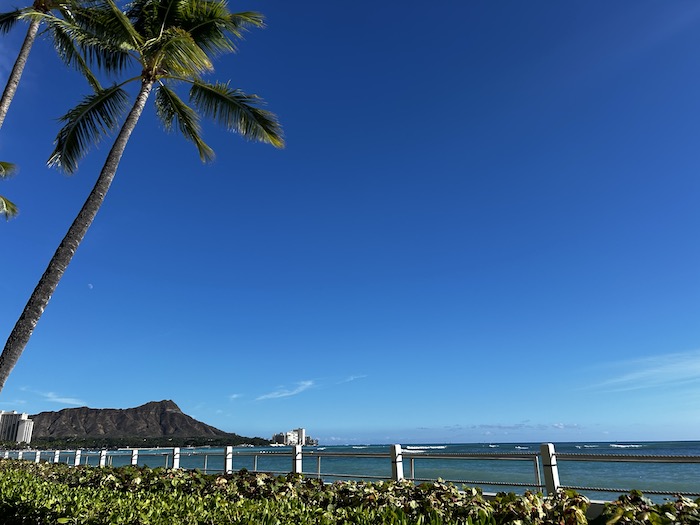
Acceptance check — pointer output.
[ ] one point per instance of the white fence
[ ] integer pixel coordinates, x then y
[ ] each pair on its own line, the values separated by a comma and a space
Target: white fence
392, 464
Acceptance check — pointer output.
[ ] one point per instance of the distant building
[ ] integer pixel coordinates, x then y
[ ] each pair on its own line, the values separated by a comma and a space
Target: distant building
294, 437
24, 431
15, 427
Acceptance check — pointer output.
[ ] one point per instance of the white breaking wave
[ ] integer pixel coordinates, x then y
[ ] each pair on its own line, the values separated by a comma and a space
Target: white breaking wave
426, 447
614, 445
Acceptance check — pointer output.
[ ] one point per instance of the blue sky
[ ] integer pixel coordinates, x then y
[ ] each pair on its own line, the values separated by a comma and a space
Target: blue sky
484, 228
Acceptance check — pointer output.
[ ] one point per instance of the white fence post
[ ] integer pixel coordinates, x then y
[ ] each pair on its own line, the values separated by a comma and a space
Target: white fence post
549, 464
396, 463
57, 456
103, 457
176, 457
19, 454
228, 461
77, 458
37, 459
297, 460
135, 456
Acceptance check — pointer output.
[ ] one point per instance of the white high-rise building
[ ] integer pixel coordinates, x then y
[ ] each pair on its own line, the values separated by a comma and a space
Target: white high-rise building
294, 437
15, 427
24, 431
301, 436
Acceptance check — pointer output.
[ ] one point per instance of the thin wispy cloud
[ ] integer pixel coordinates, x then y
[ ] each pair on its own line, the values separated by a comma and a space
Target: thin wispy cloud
235, 396
287, 392
527, 426
659, 371
352, 378
14, 403
56, 398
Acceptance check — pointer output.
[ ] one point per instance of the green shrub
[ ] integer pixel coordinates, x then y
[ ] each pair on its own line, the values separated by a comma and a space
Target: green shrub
53, 494
634, 509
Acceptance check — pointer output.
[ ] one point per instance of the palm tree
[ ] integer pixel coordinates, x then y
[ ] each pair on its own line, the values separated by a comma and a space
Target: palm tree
169, 41
7, 208
8, 21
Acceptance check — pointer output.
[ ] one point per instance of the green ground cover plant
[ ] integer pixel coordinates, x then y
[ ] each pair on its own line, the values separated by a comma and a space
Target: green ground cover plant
47, 494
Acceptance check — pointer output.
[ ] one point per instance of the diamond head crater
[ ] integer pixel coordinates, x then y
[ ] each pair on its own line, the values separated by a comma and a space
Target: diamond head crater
157, 423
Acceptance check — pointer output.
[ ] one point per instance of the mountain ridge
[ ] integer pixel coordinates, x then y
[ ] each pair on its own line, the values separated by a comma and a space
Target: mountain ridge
155, 419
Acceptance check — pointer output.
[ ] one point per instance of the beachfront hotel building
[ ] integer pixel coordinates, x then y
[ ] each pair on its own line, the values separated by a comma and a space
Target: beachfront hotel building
294, 437
15, 427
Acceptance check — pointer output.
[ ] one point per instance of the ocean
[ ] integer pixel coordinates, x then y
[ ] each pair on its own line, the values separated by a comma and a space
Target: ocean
492, 475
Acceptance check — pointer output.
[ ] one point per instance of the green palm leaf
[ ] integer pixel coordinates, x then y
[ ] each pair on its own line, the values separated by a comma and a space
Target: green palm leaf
101, 31
7, 169
177, 54
151, 17
7, 207
237, 112
85, 124
85, 28
141, 14
8, 20
209, 21
120, 23
244, 20
171, 109
65, 45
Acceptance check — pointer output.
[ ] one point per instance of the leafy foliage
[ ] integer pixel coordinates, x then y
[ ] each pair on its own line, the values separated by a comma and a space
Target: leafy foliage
634, 509
58, 494
7, 207
97, 114
8, 20
169, 42
64, 45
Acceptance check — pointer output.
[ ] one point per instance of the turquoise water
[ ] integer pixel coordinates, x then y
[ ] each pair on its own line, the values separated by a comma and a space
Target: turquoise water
647, 477
492, 475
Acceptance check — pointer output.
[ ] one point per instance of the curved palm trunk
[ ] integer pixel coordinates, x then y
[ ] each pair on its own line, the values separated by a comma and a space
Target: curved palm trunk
22, 331
16, 73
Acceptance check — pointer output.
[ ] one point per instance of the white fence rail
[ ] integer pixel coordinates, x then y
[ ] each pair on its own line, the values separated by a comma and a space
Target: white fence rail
331, 466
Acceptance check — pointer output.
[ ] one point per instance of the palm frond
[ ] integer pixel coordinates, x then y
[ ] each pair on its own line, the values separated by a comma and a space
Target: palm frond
237, 112
246, 19
177, 54
172, 110
7, 169
211, 24
168, 15
7, 208
152, 17
139, 11
66, 49
121, 23
87, 36
8, 20
96, 115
